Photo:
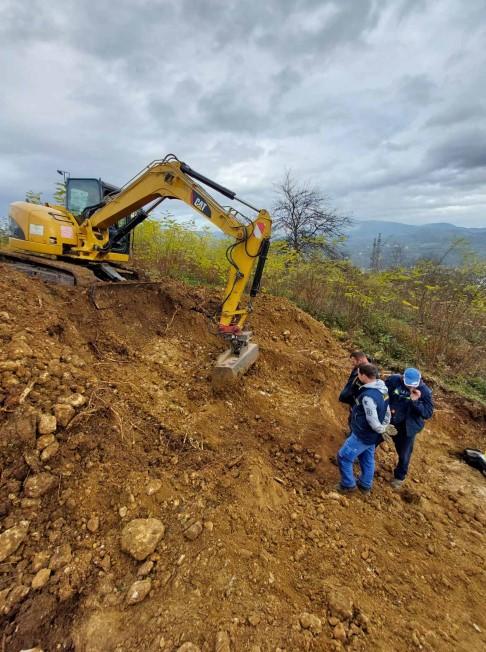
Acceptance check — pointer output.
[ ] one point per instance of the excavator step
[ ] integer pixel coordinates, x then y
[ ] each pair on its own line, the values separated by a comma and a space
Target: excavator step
229, 366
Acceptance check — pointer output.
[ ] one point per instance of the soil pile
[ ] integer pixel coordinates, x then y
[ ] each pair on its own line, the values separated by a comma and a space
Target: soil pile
140, 510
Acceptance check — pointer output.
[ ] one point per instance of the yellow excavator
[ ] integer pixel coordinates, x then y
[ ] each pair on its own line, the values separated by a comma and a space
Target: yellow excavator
88, 241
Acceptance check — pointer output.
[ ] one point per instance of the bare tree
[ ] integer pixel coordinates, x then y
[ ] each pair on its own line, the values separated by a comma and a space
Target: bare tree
376, 260
304, 215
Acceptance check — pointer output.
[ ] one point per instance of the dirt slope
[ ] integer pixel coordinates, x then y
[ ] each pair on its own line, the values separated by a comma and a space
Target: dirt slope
257, 552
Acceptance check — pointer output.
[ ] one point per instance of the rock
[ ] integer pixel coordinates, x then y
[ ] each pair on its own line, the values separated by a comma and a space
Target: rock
254, 619
19, 349
76, 400
93, 523
32, 460
50, 451
41, 578
138, 591
140, 537
340, 605
64, 413
311, 622
153, 486
222, 642
33, 649
209, 526
105, 563
37, 485
339, 633
189, 647
26, 426
61, 557
11, 539
44, 441
145, 568
123, 511
4, 316
47, 424
193, 531
16, 595
40, 560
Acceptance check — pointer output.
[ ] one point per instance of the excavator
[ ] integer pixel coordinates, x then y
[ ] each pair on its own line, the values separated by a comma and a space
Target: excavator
88, 241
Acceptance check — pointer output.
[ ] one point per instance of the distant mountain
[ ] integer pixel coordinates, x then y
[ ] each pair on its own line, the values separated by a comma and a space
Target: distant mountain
406, 243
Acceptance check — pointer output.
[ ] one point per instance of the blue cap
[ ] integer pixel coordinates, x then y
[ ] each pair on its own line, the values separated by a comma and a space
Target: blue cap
412, 377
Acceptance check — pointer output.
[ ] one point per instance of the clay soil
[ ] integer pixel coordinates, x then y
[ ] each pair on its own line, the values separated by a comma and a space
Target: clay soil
259, 552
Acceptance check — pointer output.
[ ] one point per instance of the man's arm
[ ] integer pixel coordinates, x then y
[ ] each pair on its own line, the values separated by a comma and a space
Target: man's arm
424, 404
372, 415
346, 396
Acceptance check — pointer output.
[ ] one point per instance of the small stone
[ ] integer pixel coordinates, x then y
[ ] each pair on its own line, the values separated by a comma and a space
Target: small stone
16, 595
11, 539
209, 526
153, 486
50, 451
193, 531
333, 621
47, 424
140, 537
41, 578
222, 642
44, 441
254, 619
189, 647
105, 563
93, 523
37, 485
40, 560
61, 557
138, 591
339, 633
64, 413
145, 568
309, 621
4, 316
76, 400
477, 628
123, 511
341, 605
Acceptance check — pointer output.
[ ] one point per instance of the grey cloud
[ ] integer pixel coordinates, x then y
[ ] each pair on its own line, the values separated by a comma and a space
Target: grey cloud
463, 150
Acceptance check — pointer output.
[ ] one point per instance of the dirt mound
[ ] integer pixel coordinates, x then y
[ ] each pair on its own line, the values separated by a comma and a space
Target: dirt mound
141, 510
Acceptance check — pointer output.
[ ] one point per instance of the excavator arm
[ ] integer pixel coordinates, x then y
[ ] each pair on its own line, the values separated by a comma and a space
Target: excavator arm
173, 179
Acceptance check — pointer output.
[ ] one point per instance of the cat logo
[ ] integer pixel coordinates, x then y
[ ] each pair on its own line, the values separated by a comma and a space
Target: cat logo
199, 203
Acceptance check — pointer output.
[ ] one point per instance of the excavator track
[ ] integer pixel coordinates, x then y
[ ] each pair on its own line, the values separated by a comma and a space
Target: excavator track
50, 270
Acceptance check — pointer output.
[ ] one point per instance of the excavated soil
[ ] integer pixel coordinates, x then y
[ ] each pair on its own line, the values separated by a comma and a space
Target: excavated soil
258, 552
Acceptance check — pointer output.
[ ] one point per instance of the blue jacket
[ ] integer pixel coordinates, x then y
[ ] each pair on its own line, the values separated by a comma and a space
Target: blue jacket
359, 423
405, 411
350, 391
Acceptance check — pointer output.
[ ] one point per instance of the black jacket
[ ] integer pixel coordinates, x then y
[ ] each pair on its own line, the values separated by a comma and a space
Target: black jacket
350, 391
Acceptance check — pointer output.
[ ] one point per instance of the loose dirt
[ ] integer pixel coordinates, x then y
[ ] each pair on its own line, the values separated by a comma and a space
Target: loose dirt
142, 510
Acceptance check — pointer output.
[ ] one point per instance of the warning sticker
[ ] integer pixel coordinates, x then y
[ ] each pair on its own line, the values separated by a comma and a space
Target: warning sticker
67, 232
36, 229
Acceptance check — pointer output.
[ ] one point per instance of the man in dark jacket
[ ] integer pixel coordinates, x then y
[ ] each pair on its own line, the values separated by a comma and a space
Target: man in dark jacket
350, 391
370, 420
410, 404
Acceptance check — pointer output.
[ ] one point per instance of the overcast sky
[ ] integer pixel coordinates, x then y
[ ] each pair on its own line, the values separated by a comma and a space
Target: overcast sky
379, 103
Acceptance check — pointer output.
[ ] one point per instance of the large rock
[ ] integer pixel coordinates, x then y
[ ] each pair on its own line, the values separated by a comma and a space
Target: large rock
341, 604
140, 537
37, 485
11, 539
309, 621
189, 647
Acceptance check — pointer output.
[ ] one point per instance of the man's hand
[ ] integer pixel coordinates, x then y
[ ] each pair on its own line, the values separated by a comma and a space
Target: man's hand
390, 431
415, 394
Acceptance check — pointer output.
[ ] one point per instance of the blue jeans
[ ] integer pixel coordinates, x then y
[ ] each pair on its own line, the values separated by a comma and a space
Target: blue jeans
354, 448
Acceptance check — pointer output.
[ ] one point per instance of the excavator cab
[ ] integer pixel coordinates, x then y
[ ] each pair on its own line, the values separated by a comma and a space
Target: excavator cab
90, 193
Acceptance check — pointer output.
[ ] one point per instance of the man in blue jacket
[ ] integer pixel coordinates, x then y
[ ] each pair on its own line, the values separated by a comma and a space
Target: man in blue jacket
369, 422
410, 404
350, 391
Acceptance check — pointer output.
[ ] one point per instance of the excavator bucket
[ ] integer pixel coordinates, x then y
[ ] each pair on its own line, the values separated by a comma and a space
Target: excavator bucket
230, 366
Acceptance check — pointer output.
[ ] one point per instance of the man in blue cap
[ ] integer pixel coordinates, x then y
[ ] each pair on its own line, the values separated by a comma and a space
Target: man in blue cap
410, 405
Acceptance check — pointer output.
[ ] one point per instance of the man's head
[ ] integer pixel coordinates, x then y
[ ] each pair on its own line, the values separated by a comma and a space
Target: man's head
411, 377
367, 373
357, 358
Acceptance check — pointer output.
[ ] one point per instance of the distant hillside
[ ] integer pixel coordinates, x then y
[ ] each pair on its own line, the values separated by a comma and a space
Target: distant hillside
405, 243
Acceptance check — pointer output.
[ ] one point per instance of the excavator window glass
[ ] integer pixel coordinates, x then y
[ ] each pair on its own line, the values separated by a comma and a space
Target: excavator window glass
81, 193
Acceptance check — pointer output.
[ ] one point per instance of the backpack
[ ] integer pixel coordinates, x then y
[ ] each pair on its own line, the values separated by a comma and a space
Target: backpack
475, 458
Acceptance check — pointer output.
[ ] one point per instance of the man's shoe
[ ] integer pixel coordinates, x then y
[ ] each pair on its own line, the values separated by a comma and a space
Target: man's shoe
364, 490
396, 483
344, 490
